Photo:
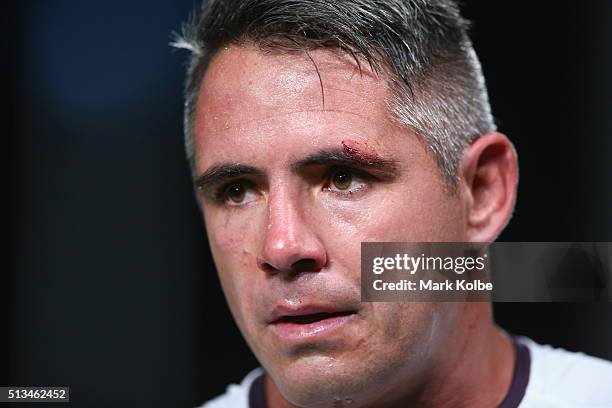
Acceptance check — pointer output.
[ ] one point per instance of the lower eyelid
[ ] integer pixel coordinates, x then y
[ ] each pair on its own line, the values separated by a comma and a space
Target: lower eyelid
362, 187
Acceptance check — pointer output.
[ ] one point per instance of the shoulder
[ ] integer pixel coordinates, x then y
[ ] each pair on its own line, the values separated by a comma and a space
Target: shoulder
236, 395
560, 378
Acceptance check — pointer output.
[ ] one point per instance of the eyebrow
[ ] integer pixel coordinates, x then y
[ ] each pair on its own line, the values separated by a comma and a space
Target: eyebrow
350, 157
347, 157
222, 172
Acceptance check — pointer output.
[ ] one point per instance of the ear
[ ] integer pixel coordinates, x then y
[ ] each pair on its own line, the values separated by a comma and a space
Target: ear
488, 178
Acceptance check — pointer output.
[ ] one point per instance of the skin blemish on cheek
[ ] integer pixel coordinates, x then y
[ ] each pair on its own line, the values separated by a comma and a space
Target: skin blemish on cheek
361, 151
245, 260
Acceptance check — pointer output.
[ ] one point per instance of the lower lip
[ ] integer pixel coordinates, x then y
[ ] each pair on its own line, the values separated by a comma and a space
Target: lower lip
294, 332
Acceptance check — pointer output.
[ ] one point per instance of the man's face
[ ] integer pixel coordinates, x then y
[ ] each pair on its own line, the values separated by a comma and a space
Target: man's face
295, 178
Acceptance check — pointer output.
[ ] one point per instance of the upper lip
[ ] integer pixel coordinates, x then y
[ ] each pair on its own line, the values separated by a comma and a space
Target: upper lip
280, 312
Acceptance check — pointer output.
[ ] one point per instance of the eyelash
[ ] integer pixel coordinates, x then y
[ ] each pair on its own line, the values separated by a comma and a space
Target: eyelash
222, 197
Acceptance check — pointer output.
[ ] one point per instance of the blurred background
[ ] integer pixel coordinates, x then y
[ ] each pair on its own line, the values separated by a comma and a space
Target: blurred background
109, 284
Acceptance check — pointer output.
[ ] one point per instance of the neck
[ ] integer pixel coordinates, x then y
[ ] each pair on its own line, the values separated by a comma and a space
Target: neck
473, 369
476, 370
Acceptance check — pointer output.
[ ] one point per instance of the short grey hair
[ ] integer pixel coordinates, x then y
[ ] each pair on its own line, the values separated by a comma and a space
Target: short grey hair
421, 46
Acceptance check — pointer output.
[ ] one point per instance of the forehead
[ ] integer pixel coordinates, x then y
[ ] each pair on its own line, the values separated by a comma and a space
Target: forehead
245, 89
270, 78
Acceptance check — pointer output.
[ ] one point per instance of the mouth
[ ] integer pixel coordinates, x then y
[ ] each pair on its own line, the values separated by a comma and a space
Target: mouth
310, 318
308, 325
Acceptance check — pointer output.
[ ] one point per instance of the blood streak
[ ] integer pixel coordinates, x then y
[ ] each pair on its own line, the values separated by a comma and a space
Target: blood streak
361, 151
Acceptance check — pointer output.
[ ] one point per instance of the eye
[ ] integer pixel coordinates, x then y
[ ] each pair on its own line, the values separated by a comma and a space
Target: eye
237, 193
343, 181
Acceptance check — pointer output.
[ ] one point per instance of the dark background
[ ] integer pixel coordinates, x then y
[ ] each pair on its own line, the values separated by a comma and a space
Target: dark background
109, 286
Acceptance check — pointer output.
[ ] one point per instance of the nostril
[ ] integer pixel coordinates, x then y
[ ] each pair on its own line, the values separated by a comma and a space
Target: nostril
303, 265
306, 265
266, 267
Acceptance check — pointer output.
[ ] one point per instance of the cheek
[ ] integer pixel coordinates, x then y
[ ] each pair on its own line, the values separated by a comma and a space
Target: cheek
231, 238
226, 246
414, 329
406, 216
426, 218
231, 242
417, 215
231, 251
395, 322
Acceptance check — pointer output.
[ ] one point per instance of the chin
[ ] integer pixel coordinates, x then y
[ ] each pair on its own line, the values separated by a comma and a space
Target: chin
317, 384
324, 380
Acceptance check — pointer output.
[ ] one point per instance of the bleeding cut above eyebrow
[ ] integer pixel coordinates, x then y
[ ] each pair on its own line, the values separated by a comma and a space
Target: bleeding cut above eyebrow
353, 154
361, 151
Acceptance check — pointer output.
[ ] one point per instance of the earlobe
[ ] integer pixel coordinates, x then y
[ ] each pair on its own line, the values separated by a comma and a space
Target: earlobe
489, 175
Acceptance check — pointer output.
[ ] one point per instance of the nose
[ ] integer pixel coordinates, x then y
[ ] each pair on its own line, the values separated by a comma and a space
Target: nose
290, 245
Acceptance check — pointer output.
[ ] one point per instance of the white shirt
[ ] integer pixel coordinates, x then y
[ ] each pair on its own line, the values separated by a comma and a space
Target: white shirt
557, 379
562, 379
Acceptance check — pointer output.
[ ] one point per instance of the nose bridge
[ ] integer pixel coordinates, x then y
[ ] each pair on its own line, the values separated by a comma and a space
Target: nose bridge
283, 217
289, 238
